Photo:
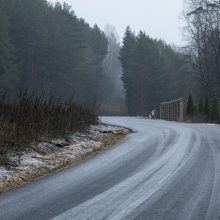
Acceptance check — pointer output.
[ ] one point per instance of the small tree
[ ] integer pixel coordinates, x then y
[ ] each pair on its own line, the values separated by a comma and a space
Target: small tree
214, 111
200, 107
206, 108
189, 109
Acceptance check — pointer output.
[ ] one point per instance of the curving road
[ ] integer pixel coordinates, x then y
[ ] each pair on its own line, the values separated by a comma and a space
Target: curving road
163, 171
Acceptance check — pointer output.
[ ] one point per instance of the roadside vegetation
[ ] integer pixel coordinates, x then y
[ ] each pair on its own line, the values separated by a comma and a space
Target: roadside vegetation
202, 32
206, 110
32, 117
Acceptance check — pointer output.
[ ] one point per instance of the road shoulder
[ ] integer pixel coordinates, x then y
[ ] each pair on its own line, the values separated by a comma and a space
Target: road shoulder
44, 158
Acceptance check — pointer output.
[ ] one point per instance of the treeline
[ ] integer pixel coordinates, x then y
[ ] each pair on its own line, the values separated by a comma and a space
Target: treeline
48, 49
203, 35
153, 72
205, 110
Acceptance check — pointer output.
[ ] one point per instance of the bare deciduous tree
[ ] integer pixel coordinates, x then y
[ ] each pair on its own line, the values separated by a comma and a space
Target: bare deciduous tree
203, 31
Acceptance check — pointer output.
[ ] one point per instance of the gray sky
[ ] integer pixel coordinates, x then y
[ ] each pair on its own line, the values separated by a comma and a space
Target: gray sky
158, 18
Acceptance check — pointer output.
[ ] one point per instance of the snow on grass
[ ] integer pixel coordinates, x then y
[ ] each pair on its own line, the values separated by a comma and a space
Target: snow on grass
48, 156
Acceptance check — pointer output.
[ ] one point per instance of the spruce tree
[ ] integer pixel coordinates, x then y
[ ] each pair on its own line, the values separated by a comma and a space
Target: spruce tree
195, 110
129, 65
206, 108
214, 111
189, 109
200, 107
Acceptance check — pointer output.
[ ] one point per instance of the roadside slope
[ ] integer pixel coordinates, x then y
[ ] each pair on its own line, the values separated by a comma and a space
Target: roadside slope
44, 158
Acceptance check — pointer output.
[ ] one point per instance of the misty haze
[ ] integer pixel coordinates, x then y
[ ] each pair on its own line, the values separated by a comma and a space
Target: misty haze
109, 109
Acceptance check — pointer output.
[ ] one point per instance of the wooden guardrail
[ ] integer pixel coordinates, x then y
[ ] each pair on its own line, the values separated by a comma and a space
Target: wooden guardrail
172, 110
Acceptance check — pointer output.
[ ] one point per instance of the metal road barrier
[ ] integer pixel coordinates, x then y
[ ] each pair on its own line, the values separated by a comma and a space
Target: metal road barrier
172, 110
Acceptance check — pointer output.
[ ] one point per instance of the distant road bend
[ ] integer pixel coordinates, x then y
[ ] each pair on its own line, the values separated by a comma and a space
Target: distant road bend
163, 171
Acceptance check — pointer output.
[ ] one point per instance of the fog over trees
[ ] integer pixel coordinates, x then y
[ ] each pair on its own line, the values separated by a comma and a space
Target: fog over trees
52, 50
114, 97
48, 49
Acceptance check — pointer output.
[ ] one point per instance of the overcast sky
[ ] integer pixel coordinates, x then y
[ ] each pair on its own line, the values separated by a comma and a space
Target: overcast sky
158, 18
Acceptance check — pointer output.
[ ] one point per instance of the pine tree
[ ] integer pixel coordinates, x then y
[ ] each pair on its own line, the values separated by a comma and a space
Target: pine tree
189, 110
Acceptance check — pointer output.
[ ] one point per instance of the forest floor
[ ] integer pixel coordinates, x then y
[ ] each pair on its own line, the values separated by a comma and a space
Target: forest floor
44, 158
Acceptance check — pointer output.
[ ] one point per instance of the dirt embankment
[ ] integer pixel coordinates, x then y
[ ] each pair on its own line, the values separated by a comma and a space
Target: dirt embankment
44, 158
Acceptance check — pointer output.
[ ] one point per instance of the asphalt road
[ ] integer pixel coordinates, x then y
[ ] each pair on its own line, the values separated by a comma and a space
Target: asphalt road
163, 171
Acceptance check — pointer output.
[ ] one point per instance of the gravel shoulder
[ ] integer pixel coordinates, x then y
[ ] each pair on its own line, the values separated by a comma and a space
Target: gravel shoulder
44, 158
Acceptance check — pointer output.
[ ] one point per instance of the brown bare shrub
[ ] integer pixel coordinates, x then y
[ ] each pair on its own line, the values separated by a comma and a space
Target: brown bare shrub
30, 118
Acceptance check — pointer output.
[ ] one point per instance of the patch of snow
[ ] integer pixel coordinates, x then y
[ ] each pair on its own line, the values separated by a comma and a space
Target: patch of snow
30, 159
50, 155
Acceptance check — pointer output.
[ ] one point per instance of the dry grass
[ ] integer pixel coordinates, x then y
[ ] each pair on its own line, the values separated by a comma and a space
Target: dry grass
30, 117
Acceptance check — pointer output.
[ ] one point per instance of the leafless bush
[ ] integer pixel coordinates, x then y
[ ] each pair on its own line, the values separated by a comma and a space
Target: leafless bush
30, 117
